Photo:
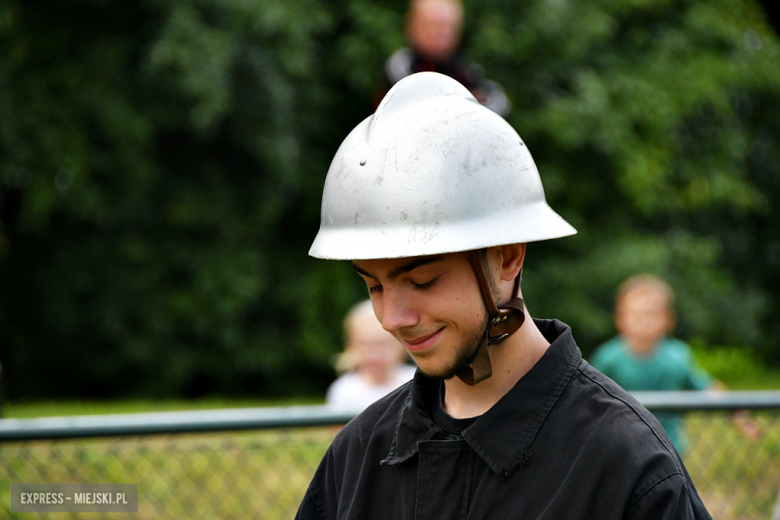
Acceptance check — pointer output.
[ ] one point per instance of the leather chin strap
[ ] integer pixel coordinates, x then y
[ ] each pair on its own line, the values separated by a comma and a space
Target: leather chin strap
502, 321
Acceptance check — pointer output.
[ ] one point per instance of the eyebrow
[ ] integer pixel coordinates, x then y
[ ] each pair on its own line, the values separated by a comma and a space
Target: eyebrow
406, 268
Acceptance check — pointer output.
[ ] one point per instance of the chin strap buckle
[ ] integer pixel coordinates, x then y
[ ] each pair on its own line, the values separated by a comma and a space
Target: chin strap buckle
510, 318
502, 322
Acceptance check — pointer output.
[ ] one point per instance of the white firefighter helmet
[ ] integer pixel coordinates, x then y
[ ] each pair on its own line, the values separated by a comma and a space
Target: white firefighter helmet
431, 172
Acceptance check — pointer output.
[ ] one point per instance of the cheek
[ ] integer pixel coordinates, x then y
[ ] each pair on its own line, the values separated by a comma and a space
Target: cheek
660, 323
462, 301
625, 323
376, 303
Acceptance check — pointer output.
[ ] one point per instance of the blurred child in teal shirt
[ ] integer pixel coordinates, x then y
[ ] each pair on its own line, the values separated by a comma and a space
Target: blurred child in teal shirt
642, 356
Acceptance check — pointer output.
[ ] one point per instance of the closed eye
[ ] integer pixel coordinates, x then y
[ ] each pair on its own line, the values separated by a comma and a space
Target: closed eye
375, 289
423, 286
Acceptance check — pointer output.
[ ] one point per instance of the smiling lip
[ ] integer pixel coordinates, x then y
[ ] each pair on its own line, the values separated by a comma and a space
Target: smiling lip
422, 343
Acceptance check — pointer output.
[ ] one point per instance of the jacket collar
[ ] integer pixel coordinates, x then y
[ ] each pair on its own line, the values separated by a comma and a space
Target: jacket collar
503, 435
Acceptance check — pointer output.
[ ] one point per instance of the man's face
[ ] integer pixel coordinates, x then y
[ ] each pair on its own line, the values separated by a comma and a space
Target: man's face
432, 304
433, 29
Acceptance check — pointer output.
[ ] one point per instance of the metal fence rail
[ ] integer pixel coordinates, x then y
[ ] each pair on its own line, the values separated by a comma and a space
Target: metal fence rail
257, 462
47, 428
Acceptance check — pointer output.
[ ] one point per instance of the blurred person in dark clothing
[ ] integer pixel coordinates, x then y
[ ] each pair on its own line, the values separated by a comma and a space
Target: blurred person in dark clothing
433, 33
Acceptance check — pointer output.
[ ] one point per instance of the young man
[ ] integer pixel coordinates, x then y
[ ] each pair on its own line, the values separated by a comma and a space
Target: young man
434, 198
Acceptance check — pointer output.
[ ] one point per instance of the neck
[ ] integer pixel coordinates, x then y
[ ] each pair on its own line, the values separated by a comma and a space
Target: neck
511, 360
642, 346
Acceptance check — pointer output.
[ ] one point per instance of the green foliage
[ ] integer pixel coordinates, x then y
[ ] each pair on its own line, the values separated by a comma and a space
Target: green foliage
582, 287
738, 368
161, 167
27, 410
161, 188
649, 122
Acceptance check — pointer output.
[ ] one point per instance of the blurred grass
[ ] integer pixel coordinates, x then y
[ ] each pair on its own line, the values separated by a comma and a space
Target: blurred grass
24, 410
738, 369
767, 380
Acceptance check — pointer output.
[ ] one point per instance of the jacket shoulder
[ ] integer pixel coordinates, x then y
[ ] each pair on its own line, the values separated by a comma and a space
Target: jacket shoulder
668, 499
629, 436
620, 410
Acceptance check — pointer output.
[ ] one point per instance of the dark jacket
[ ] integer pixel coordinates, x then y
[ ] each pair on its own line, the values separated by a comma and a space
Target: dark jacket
406, 61
564, 443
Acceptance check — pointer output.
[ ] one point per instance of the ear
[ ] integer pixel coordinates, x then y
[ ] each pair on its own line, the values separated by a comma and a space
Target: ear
511, 258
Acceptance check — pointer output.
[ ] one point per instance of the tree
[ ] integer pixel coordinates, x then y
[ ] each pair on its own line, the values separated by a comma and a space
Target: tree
162, 171
643, 120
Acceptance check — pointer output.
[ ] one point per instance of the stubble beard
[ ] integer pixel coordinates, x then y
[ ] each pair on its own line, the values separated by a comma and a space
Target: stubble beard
464, 356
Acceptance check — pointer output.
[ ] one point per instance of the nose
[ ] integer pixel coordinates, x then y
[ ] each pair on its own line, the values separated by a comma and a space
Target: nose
397, 311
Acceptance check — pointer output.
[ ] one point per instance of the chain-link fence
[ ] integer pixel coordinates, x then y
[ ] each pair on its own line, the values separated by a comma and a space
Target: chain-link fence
209, 476
264, 473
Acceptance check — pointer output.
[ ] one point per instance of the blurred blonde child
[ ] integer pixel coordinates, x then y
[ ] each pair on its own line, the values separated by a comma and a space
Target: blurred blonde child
372, 364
